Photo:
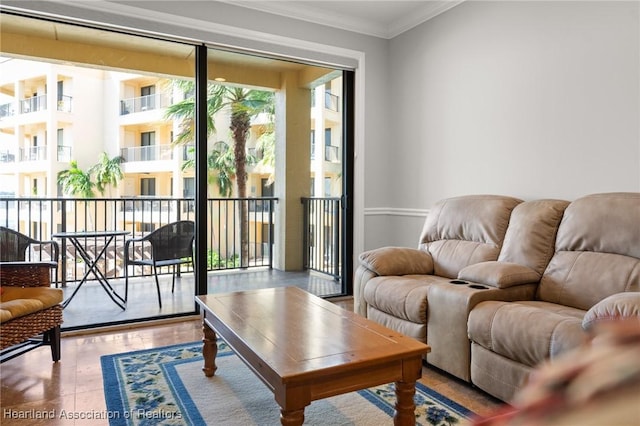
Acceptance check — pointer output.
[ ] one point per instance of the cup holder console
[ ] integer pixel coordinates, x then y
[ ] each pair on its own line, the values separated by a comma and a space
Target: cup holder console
476, 286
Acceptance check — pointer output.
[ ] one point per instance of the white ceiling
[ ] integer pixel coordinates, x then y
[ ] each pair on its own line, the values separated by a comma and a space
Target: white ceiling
379, 18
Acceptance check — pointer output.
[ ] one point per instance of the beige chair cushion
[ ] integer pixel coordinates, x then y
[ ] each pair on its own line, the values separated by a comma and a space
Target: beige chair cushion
18, 301
404, 297
597, 251
527, 332
531, 235
461, 231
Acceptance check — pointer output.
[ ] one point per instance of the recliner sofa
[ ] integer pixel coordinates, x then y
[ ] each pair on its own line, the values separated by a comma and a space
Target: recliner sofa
484, 251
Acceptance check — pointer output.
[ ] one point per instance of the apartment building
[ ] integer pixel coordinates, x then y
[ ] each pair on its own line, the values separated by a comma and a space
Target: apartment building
92, 110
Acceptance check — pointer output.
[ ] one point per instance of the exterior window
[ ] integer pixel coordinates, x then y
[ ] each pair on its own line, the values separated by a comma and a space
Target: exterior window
148, 186
327, 187
189, 190
147, 142
147, 98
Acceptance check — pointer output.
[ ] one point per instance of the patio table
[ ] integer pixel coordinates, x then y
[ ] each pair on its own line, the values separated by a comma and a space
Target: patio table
92, 263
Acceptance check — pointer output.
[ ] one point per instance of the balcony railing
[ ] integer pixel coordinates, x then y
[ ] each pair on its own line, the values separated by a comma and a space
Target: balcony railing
7, 110
42, 217
143, 103
64, 103
33, 153
7, 157
322, 235
331, 101
147, 153
33, 104
64, 153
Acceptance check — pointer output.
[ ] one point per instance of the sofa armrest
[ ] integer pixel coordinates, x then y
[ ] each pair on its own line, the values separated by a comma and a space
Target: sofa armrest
397, 261
499, 274
614, 307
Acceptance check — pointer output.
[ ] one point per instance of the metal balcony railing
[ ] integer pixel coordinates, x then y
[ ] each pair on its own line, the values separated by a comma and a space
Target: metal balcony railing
41, 217
322, 235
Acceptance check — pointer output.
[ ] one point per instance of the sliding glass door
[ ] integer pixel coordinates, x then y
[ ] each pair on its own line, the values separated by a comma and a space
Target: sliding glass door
142, 132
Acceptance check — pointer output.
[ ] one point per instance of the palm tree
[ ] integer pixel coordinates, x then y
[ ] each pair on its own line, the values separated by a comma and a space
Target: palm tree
108, 172
244, 104
220, 160
77, 183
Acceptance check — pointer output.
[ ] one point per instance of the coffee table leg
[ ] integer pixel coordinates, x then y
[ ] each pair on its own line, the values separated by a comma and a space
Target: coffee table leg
209, 350
292, 418
405, 405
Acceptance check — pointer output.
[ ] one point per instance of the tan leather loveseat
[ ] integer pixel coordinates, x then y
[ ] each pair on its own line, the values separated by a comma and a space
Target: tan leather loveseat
594, 273
475, 249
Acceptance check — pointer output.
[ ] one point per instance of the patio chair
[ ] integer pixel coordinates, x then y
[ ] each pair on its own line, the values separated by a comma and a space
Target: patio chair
171, 245
14, 245
30, 311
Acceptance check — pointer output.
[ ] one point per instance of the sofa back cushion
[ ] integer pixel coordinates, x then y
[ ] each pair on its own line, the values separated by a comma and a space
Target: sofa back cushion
465, 230
531, 235
597, 251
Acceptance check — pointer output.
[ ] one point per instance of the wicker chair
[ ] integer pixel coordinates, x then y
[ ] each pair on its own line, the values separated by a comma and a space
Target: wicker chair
171, 245
28, 311
14, 246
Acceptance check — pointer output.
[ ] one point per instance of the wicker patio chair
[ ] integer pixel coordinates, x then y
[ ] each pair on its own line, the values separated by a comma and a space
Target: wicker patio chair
171, 245
29, 307
14, 246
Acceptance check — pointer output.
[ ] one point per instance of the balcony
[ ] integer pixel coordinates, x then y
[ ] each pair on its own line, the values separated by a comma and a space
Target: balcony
33, 104
147, 153
143, 103
41, 217
33, 153
65, 104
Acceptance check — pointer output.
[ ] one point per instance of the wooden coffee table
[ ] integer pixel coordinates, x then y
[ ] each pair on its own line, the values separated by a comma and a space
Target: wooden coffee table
305, 348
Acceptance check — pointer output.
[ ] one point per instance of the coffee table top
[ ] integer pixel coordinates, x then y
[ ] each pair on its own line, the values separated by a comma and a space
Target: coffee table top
298, 334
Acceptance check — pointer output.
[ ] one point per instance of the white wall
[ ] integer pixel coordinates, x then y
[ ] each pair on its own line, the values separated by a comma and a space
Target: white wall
531, 99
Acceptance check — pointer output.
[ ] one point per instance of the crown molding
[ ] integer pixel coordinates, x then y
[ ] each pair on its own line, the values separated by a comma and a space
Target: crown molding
305, 12
429, 10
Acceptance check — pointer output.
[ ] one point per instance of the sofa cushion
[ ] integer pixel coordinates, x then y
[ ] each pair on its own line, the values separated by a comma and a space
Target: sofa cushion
461, 231
403, 297
531, 235
597, 251
18, 301
527, 332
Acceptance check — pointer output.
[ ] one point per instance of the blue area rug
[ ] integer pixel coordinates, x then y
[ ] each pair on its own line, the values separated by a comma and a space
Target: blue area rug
166, 386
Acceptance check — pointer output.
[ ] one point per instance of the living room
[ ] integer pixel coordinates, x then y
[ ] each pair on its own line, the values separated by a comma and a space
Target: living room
534, 100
